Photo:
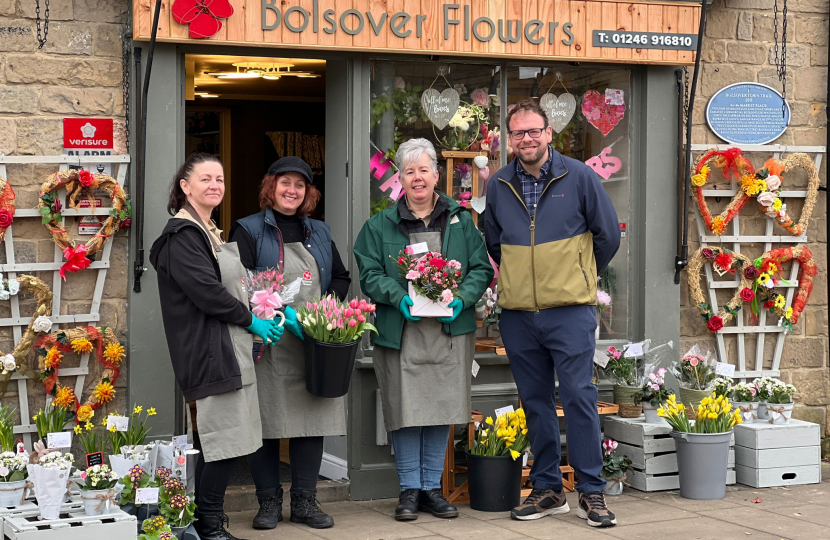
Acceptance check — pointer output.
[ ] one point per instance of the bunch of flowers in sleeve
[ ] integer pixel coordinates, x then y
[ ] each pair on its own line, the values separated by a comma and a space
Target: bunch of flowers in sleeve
767, 275
504, 436
330, 321
622, 370
695, 371
267, 294
432, 277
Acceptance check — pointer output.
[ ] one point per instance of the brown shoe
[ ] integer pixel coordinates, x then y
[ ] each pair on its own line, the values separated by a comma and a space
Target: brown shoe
541, 503
592, 507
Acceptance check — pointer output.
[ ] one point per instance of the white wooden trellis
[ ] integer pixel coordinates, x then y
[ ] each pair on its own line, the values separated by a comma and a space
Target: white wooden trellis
743, 370
12, 268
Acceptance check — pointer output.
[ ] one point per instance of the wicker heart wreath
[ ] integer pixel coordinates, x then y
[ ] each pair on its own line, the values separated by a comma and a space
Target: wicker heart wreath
6, 207
773, 206
724, 261
39, 324
733, 163
77, 183
768, 274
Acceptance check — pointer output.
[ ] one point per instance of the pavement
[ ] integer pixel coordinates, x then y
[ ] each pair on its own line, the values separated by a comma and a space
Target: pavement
791, 513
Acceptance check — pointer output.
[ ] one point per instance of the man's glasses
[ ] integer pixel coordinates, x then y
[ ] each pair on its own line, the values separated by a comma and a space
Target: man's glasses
519, 134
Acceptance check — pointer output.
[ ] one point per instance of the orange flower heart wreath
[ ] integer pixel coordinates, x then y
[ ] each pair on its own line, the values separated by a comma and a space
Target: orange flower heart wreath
6, 207
77, 183
733, 163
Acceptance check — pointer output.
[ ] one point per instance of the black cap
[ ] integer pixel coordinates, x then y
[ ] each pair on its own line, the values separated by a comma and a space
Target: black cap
291, 164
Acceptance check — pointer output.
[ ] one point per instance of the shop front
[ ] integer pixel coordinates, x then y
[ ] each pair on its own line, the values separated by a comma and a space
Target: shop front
343, 85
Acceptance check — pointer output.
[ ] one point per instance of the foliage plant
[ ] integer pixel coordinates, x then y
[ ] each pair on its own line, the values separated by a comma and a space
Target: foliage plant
613, 467
7, 416
654, 390
13, 467
98, 477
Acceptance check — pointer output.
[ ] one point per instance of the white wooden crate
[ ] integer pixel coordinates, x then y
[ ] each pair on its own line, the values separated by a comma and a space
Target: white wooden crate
117, 525
29, 507
769, 455
652, 452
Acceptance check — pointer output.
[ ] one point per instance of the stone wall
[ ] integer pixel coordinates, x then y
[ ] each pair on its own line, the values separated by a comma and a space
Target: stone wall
739, 47
78, 73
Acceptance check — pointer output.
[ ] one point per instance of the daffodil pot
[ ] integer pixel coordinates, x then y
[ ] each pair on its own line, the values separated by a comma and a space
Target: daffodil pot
702, 460
328, 367
613, 487
98, 502
780, 413
495, 482
748, 410
11, 493
650, 412
692, 398
763, 413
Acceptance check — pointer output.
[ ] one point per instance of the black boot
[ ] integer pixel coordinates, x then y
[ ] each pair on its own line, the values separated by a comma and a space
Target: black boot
407, 509
212, 527
306, 509
270, 508
433, 501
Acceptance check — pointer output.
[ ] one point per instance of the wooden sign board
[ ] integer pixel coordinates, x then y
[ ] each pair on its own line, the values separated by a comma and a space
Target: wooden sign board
533, 29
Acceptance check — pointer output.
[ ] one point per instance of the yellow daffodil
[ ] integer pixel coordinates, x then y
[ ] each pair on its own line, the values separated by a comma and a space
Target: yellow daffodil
780, 301
112, 428
137, 409
151, 411
489, 420
78, 429
515, 455
88, 426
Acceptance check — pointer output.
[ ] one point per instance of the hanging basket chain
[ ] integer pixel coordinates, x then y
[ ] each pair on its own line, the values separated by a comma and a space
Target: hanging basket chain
125, 85
781, 54
41, 34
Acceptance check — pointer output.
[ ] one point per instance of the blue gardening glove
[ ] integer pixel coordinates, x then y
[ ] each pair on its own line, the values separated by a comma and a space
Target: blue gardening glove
456, 305
406, 303
292, 323
267, 330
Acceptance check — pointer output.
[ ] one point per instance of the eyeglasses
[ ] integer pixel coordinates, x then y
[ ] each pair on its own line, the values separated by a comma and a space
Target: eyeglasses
519, 134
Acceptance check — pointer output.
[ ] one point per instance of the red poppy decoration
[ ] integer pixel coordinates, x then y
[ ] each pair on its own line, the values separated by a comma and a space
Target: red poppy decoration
202, 15
306, 275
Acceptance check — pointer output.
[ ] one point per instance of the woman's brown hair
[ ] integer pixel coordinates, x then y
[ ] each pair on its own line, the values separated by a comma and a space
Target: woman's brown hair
177, 199
269, 185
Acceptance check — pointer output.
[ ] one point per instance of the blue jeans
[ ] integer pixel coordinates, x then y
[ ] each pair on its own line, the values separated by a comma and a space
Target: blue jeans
419, 454
560, 339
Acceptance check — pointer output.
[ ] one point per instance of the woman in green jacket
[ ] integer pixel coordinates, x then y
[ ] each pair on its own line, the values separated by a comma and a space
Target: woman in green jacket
424, 365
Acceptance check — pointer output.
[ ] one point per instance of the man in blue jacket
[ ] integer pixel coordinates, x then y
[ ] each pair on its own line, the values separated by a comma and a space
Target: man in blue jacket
551, 227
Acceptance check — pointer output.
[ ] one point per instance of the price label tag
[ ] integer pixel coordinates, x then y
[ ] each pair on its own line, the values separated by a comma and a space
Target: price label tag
476, 367
61, 439
179, 441
504, 410
724, 369
600, 359
420, 247
634, 350
121, 423
93, 459
147, 495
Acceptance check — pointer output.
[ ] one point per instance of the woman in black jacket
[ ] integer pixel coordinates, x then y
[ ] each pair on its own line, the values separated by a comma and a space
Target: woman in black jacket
205, 312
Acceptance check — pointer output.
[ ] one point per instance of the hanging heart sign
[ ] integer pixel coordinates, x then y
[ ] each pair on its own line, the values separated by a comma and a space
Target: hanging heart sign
478, 204
603, 112
440, 107
560, 109
481, 161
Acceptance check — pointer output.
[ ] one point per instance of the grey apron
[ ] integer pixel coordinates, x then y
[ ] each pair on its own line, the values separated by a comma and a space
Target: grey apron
229, 424
427, 381
287, 409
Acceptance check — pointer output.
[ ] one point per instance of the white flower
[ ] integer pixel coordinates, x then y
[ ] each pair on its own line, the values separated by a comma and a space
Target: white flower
4, 294
42, 324
4, 471
9, 362
773, 182
766, 199
14, 286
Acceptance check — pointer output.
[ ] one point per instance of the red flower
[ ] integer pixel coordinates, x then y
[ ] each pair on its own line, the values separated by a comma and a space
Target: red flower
708, 253
202, 15
401, 260
437, 263
724, 261
714, 324
306, 275
6, 218
125, 224
76, 260
768, 304
750, 272
85, 178
747, 295
56, 206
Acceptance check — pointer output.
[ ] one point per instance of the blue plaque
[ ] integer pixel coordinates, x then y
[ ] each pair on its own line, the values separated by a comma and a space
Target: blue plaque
748, 113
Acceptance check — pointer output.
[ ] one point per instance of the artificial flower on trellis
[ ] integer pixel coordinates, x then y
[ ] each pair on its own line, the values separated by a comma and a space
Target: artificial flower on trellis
733, 163
766, 273
723, 261
771, 203
6, 207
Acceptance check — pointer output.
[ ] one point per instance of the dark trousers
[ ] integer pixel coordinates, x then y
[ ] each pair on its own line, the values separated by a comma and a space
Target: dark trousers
560, 340
306, 455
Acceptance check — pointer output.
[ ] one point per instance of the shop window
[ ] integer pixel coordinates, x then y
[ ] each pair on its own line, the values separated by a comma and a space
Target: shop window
589, 110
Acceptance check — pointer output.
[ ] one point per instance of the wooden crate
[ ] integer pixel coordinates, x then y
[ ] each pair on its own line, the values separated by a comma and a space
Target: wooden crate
769, 455
74, 525
652, 452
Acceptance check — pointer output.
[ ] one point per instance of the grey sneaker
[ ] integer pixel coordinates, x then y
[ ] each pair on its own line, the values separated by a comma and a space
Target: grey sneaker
541, 503
592, 507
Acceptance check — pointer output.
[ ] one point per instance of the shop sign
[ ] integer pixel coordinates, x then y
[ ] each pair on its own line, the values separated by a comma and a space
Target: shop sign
748, 113
89, 137
645, 40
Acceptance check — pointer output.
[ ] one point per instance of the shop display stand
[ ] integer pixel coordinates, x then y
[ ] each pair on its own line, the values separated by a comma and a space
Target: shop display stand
12, 269
452, 157
771, 238
770, 455
651, 450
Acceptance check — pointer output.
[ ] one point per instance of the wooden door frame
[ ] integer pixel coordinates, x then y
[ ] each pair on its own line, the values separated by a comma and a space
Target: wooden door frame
225, 157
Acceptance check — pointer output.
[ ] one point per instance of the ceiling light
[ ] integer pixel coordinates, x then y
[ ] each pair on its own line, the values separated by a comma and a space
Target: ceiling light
206, 95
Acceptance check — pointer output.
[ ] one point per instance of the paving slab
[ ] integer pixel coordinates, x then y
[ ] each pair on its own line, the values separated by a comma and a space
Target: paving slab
673, 499
766, 521
631, 513
548, 528
241, 528
370, 526
812, 513
692, 528
463, 527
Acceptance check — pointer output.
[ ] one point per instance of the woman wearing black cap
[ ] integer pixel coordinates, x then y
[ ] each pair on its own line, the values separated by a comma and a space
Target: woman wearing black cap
283, 236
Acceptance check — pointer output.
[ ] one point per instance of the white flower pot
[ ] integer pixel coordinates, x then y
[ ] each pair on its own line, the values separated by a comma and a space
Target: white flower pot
612, 487
424, 307
95, 502
11, 493
650, 412
762, 413
749, 410
780, 413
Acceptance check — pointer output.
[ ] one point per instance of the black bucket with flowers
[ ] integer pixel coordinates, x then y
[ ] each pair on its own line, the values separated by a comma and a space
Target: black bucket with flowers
495, 462
332, 336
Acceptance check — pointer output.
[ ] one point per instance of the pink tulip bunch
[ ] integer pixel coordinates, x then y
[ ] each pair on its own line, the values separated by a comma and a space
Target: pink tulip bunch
331, 321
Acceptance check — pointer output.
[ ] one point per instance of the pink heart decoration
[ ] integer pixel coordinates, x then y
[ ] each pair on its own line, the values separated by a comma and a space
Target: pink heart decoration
601, 114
